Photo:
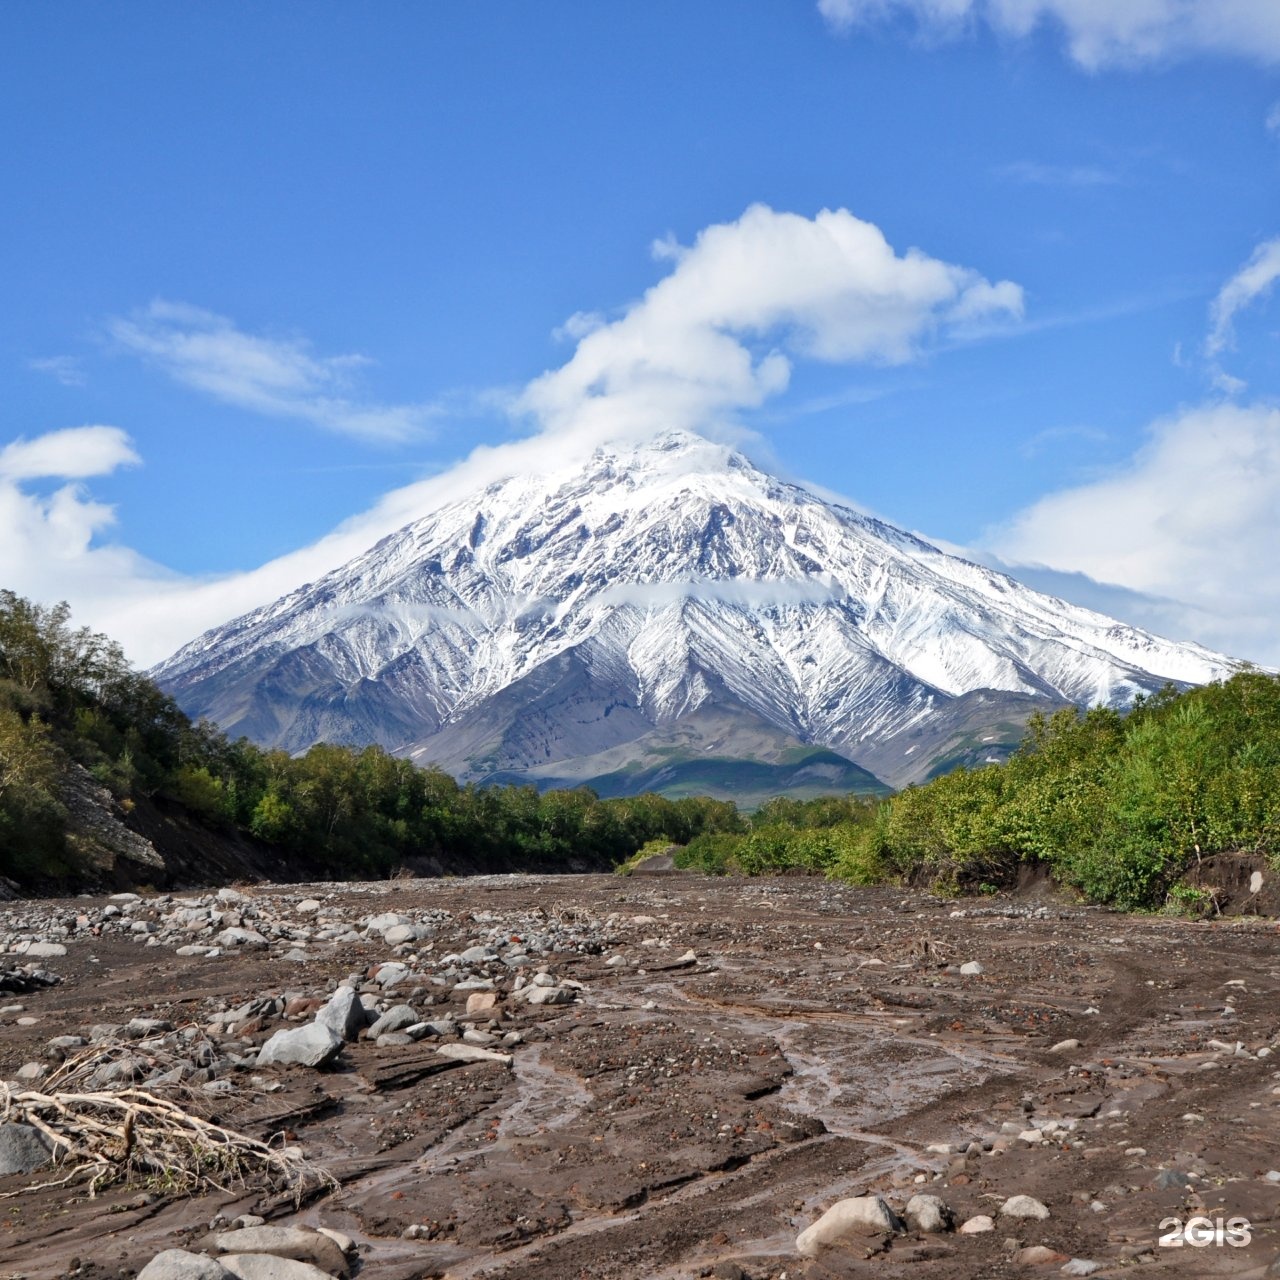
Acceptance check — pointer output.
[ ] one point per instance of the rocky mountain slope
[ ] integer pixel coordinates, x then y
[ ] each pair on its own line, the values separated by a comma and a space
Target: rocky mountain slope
658, 615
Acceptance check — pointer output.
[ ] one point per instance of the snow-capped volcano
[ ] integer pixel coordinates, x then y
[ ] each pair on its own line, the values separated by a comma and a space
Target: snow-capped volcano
658, 602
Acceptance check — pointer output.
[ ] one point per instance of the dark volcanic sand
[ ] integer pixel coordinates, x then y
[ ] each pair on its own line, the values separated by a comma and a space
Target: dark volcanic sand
683, 1121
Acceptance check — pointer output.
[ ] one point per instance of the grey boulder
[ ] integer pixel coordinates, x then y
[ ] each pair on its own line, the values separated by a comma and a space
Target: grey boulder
296, 1243
856, 1216
548, 995
311, 1046
472, 1053
178, 1264
22, 1149
395, 1019
928, 1214
399, 933
344, 1015
1024, 1207
266, 1266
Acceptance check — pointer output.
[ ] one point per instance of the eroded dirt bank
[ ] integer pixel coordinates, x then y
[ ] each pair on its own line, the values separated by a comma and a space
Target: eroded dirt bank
739, 1056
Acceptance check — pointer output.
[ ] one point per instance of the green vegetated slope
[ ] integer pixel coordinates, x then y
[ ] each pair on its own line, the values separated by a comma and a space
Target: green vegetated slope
805, 773
1121, 807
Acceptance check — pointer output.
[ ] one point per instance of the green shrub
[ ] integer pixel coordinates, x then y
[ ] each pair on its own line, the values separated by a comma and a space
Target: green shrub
712, 853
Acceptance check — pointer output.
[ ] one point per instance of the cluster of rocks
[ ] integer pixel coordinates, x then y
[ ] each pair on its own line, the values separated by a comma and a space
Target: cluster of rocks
29, 977
462, 999
861, 1217
1012, 911
293, 927
251, 1250
240, 1039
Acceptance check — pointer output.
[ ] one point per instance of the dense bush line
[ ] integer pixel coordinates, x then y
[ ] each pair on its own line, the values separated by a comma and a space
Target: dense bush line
69, 695
1120, 807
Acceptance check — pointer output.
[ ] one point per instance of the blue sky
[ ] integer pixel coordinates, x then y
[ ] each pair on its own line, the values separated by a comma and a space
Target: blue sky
267, 267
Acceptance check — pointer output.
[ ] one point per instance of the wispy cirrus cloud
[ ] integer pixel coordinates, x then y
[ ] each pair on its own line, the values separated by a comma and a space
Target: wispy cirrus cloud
1098, 33
66, 369
1033, 173
1254, 280
1050, 437
275, 376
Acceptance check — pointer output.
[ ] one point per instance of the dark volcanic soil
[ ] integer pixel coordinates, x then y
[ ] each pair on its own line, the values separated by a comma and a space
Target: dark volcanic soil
690, 1115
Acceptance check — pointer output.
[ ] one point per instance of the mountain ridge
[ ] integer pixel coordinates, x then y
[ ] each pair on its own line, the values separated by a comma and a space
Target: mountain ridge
556, 618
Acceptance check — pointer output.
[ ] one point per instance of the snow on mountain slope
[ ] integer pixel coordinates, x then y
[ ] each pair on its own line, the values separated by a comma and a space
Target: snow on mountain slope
629, 591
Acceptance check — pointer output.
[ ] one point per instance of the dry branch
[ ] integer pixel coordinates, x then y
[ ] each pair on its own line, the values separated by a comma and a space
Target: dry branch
108, 1136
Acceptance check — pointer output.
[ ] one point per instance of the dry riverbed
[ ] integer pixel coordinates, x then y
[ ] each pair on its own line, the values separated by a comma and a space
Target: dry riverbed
661, 1077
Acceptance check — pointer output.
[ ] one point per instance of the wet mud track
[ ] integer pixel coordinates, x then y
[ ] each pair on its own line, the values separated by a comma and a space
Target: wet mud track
741, 1055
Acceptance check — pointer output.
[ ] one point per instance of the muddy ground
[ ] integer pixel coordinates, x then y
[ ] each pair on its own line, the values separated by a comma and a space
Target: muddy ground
688, 1115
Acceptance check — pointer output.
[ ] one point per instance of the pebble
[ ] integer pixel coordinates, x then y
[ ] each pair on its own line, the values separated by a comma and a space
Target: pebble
977, 1225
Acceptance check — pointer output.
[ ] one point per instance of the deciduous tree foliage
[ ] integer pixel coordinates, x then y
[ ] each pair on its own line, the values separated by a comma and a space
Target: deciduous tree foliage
69, 695
1120, 807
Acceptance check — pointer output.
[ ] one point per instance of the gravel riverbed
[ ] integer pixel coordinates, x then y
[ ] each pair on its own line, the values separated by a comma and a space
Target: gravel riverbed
661, 1077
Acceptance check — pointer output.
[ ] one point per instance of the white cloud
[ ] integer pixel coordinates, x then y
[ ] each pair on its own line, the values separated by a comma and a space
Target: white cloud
279, 377
1098, 33
47, 541
1193, 519
52, 547
74, 453
66, 369
1253, 281
718, 333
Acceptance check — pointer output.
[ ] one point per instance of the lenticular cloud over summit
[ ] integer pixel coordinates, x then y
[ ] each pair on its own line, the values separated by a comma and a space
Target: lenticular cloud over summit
719, 333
